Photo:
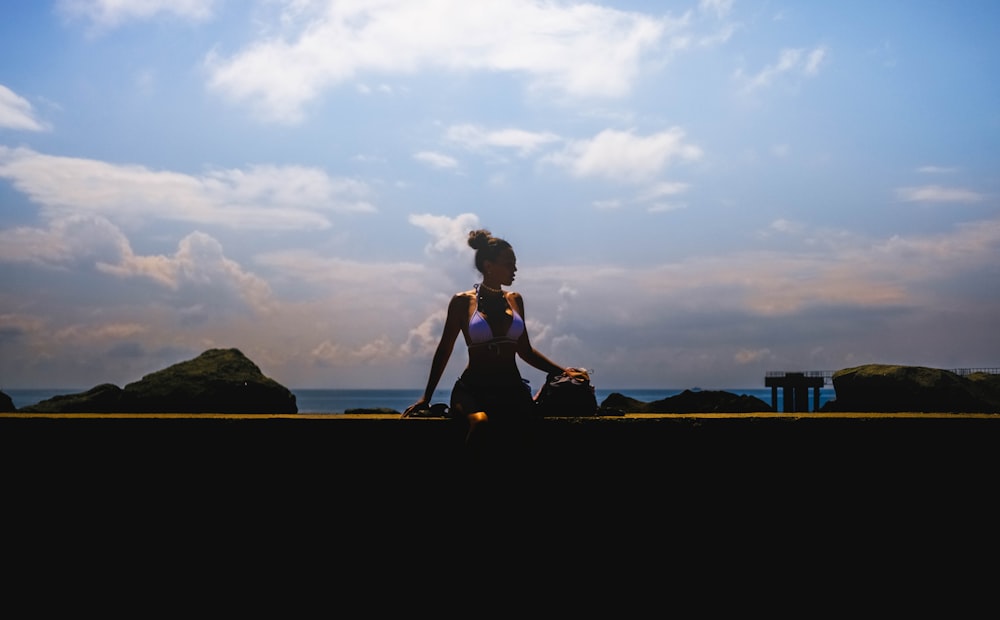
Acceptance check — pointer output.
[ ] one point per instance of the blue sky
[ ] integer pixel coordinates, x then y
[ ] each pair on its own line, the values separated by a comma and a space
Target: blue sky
697, 192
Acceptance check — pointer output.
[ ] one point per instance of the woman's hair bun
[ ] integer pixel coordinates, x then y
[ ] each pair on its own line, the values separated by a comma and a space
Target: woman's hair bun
479, 238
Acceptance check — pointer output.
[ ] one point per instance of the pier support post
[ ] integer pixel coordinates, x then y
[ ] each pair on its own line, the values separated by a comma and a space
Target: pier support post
794, 391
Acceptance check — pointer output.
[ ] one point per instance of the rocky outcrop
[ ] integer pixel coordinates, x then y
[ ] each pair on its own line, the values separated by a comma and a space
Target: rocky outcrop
6, 404
989, 386
217, 381
104, 398
620, 402
884, 388
689, 401
372, 411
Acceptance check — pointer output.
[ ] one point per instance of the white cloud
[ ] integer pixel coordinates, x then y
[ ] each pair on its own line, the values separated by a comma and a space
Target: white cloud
259, 197
379, 350
88, 334
655, 194
790, 61
720, 8
718, 37
784, 226
566, 296
714, 296
436, 160
199, 259
897, 270
748, 356
659, 190
813, 60
145, 82
582, 50
321, 272
108, 14
474, 137
67, 240
935, 170
609, 204
382, 89
423, 339
16, 112
937, 193
853, 272
448, 234
664, 207
624, 156
969, 246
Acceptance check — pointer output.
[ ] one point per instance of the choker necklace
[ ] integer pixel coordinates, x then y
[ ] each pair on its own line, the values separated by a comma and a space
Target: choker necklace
489, 289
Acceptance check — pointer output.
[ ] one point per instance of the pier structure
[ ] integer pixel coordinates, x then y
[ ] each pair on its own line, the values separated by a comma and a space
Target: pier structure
795, 386
795, 389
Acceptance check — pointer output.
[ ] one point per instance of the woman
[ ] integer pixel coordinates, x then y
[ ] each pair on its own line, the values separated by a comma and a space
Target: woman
490, 388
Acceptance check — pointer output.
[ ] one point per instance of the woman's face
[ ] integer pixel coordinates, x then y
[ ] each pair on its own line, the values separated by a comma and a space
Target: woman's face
504, 267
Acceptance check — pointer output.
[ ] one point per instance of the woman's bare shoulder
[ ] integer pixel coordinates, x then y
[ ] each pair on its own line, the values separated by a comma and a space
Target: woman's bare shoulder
462, 298
515, 297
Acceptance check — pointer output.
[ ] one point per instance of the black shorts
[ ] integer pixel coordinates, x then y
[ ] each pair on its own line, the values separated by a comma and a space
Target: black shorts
500, 398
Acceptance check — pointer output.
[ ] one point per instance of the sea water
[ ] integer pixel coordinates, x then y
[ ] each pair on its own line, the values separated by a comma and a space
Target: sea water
317, 401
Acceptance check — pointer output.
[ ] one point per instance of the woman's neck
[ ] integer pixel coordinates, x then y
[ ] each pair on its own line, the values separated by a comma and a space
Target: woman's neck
489, 288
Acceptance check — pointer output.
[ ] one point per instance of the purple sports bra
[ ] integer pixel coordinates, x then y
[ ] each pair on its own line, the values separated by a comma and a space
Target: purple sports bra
480, 331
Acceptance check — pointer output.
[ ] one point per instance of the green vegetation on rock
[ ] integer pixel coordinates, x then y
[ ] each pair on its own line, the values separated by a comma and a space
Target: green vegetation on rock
217, 381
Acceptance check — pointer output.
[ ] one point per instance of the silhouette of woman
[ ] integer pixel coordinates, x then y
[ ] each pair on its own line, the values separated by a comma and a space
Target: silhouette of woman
490, 395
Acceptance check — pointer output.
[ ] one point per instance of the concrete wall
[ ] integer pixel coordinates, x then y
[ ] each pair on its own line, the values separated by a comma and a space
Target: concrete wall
795, 465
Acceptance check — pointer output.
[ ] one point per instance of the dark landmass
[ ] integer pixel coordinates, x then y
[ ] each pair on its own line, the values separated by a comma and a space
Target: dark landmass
6, 404
888, 388
217, 381
373, 411
225, 381
618, 404
688, 401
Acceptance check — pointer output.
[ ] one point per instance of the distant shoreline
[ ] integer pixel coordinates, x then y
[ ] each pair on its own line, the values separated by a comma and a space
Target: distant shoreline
338, 400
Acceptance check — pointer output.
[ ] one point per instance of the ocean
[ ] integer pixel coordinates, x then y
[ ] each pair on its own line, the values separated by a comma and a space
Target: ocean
316, 401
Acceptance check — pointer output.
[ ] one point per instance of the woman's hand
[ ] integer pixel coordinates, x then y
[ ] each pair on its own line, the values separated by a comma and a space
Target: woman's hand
417, 406
577, 372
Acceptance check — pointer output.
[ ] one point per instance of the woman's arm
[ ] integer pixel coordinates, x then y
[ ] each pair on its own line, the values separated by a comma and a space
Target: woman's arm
452, 328
527, 352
